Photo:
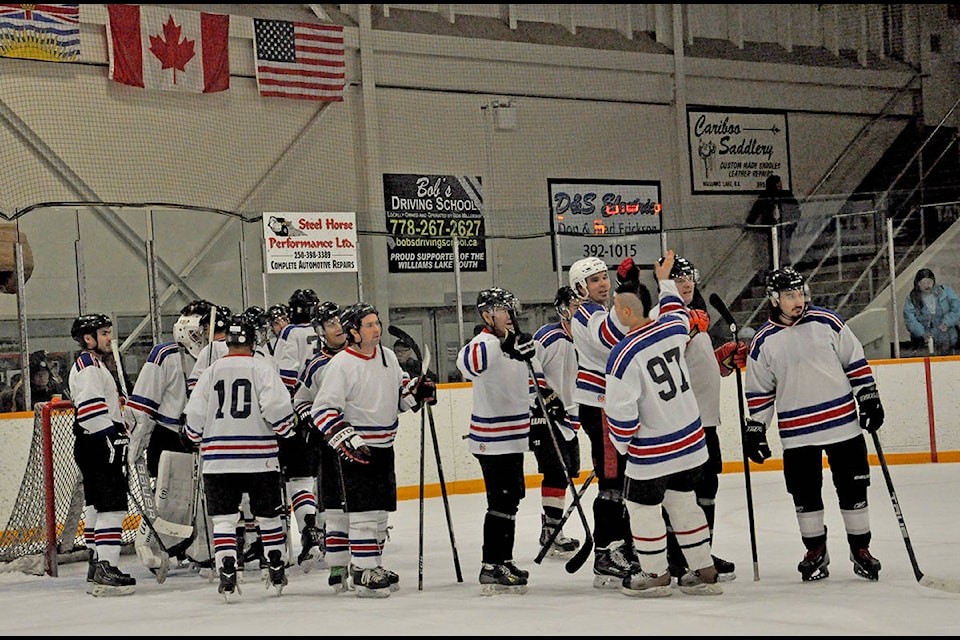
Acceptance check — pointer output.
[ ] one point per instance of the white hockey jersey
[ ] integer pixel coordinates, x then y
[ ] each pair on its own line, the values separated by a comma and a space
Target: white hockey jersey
160, 393
363, 390
810, 372
559, 360
595, 331
500, 421
296, 346
236, 412
94, 393
651, 407
310, 381
210, 352
704, 374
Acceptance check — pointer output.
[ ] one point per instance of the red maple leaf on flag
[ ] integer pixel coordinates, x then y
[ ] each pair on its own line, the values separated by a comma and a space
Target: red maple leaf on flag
170, 51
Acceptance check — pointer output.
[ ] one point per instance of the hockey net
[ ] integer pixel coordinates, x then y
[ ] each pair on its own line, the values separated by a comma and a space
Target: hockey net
46, 522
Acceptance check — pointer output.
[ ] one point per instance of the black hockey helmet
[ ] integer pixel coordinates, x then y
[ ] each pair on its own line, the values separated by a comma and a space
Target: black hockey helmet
562, 301
87, 325
199, 308
785, 279
490, 299
241, 329
260, 320
222, 320
324, 312
683, 267
301, 303
352, 317
279, 311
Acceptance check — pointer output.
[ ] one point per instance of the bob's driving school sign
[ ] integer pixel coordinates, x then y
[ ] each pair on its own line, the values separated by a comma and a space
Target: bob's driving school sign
310, 242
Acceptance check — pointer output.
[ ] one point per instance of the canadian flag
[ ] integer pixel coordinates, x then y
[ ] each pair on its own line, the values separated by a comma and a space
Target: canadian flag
171, 49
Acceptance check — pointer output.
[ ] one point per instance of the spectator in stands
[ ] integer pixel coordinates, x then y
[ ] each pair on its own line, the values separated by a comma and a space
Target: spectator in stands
43, 388
775, 207
931, 314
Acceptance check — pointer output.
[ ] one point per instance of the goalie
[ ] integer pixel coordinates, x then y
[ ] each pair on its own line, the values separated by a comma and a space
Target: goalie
164, 466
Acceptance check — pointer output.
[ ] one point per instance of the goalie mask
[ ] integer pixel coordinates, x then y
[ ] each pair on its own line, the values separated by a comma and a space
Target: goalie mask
583, 269
191, 332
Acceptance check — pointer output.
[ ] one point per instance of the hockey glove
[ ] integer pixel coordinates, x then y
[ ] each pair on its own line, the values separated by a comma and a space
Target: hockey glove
731, 356
755, 441
699, 321
117, 444
871, 411
628, 271
555, 409
348, 444
426, 391
538, 428
188, 444
519, 346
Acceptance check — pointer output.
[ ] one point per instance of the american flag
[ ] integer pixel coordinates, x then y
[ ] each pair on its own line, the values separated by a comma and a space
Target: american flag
299, 60
40, 31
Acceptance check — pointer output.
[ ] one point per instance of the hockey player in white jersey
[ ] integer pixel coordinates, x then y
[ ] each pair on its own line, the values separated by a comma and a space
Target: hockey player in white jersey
214, 346
100, 451
655, 422
364, 389
595, 331
495, 361
300, 456
804, 367
326, 322
559, 359
236, 413
707, 366
157, 400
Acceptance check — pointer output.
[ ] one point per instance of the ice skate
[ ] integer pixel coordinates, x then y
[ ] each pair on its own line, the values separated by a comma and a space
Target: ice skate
228, 579
610, 566
276, 572
726, 570
498, 578
814, 564
640, 584
864, 564
312, 547
339, 580
370, 583
108, 580
562, 547
702, 582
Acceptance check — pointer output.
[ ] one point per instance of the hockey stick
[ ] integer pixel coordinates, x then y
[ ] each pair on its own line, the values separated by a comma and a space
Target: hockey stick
942, 584
720, 306
573, 564
545, 548
423, 431
404, 337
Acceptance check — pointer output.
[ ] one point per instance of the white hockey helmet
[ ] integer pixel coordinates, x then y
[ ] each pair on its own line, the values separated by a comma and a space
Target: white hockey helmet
191, 333
583, 269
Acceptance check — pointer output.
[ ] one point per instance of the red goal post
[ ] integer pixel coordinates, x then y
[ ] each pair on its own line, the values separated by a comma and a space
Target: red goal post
45, 527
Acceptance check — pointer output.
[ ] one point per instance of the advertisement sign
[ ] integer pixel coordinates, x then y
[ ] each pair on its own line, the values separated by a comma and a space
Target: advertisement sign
424, 213
608, 219
310, 242
733, 151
